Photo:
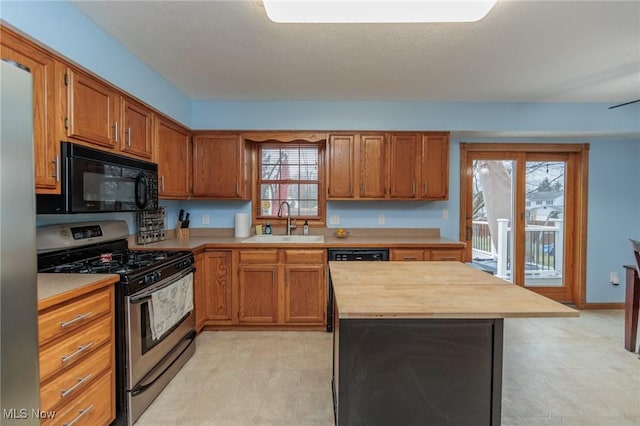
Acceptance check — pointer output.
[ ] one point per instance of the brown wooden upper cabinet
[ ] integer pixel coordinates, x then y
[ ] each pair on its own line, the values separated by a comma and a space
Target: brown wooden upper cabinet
371, 165
97, 114
377, 166
220, 166
137, 129
341, 155
174, 159
43, 71
403, 165
435, 166
93, 110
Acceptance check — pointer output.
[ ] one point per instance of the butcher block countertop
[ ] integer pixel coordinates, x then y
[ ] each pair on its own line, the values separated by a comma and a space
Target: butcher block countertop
432, 290
57, 288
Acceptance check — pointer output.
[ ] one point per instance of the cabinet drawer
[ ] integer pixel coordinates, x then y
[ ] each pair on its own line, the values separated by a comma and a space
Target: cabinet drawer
93, 407
77, 380
67, 318
446, 254
305, 256
258, 256
69, 351
407, 254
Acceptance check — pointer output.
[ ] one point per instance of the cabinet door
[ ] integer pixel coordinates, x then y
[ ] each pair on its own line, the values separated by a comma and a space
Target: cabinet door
218, 166
137, 126
340, 166
46, 145
258, 294
218, 286
93, 110
304, 294
403, 165
435, 167
199, 292
372, 166
174, 160
407, 254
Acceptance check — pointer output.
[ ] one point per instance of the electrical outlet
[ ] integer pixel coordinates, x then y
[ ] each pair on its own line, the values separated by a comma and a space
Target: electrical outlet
614, 278
334, 220
205, 219
380, 219
445, 213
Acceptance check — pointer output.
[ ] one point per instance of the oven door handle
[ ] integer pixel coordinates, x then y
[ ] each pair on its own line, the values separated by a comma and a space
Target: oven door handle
142, 387
146, 293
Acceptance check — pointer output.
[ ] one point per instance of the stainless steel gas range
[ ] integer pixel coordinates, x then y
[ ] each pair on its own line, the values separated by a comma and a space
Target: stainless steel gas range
155, 334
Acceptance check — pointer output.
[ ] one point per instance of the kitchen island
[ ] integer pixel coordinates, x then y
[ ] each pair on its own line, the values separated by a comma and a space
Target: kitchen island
420, 343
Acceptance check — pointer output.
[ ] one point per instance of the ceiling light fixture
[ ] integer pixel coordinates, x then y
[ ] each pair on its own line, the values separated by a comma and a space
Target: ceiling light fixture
376, 11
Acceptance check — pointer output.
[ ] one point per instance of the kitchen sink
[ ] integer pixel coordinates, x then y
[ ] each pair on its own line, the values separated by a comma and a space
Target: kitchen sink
275, 239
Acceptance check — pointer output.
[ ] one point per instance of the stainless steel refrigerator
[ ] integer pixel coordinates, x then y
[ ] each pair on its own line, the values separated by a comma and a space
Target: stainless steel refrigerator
19, 390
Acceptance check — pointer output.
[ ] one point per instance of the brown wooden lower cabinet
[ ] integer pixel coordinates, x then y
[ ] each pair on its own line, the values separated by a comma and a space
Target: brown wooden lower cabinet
282, 287
273, 287
199, 284
422, 254
212, 289
304, 294
258, 294
77, 380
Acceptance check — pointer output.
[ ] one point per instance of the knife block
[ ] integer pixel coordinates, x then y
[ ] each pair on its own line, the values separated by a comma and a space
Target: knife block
180, 231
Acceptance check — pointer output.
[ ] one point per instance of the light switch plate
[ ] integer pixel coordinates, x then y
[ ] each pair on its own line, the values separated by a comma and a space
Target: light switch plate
205, 219
380, 219
334, 220
445, 213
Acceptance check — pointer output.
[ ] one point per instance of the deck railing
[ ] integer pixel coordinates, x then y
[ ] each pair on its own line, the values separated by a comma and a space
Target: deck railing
543, 247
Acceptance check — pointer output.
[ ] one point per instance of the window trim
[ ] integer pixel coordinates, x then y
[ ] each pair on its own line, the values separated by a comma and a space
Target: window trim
255, 191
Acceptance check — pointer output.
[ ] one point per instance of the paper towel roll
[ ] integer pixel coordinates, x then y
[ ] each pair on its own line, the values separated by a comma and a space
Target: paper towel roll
242, 225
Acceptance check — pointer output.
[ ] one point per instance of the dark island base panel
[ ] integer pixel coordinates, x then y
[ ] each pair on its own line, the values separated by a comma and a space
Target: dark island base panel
418, 372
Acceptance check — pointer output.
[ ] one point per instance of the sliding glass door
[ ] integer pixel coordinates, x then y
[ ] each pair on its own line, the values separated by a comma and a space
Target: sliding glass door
521, 214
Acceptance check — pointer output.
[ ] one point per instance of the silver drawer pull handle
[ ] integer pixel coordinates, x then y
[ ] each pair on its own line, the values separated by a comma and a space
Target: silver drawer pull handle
410, 258
81, 380
79, 416
78, 352
57, 163
78, 317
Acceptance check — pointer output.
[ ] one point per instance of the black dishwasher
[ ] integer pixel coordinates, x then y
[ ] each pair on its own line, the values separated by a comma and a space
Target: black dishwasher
350, 255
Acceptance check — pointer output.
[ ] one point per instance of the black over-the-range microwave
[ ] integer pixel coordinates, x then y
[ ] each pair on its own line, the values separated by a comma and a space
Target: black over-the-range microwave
94, 181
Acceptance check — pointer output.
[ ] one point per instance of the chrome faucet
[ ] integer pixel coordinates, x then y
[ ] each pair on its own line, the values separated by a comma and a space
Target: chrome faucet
289, 225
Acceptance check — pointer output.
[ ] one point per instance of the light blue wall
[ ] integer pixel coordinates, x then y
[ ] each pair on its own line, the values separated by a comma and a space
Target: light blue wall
62, 27
614, 215
454, 116
614, 183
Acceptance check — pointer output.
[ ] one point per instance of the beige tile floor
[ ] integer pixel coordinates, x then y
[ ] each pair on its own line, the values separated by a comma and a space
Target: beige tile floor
557, 371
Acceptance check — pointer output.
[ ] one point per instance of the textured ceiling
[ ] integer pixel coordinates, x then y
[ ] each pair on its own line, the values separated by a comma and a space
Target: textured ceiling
522, 51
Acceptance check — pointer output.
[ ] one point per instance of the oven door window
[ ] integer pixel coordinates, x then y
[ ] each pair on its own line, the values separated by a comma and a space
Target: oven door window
169, 306
145, 328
